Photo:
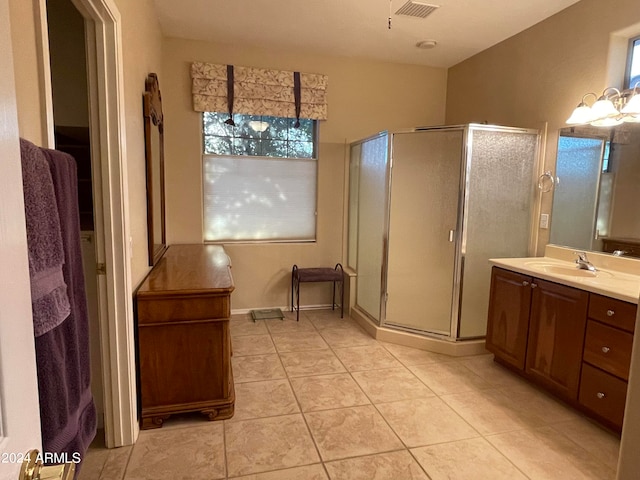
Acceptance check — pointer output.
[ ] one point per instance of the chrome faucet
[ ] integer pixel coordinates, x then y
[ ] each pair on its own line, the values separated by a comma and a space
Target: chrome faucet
583, 262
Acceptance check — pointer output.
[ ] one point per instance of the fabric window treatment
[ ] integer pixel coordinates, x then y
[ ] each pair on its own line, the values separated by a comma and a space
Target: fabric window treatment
258, 91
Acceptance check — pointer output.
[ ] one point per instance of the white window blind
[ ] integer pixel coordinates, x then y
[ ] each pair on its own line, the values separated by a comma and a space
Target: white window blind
259, 198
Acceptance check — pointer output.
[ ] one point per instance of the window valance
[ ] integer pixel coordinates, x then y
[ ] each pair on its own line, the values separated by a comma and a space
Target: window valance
258, 91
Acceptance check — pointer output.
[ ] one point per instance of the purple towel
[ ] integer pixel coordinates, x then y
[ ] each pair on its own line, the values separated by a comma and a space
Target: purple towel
46, 255
67, 411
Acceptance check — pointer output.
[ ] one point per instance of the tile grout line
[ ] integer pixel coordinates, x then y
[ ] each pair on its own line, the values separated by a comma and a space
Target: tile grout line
126, 467
224, 447
337, 408
304, 418
376, 408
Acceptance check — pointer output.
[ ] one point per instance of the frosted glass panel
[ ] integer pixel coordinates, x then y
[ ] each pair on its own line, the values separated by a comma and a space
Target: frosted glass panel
354, 179
500, 179
372, 210
425, 185
575, 195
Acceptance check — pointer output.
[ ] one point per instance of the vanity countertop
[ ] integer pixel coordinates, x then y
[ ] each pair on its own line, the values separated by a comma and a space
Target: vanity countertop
622, 285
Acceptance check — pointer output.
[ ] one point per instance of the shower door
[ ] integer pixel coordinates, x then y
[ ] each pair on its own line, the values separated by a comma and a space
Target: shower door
368, 214
424, 205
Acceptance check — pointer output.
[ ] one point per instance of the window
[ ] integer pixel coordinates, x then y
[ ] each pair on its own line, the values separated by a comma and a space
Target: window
606, 165
633, 69
259, 178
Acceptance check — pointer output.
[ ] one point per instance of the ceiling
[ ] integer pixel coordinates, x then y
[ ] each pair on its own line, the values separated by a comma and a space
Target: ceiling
356, 28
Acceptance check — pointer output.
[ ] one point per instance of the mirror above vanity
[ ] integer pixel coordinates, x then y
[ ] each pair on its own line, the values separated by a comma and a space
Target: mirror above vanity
595, 198
154, 154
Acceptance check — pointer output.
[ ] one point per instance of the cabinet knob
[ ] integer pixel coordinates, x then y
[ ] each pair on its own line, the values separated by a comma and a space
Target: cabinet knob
534, 285
525, 284
610, 313
605, 349
600, 395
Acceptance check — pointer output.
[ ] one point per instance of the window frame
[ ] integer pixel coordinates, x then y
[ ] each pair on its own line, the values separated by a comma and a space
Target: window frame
314, 158
633, 43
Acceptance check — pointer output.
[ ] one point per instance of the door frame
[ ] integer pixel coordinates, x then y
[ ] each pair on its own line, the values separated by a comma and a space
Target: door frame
103, 36
19, 412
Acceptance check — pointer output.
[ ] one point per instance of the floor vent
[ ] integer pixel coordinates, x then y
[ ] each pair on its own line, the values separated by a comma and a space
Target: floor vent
417, 9
267, 314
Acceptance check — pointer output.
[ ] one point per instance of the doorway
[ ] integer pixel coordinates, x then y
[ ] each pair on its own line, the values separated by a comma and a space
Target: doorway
105, 80
67, 51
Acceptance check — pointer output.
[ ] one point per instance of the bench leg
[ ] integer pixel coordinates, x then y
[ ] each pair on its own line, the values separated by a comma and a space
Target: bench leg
333, 300
342, 298
298, 301
295, 291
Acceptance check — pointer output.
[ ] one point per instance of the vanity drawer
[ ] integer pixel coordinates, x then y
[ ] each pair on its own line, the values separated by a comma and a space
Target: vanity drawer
603, 394
608, 348
613, 312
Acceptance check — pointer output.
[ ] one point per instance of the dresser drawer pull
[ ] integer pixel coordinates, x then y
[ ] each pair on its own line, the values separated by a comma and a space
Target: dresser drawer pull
525, 284
606, 349
534, 285
600, 395
610, 313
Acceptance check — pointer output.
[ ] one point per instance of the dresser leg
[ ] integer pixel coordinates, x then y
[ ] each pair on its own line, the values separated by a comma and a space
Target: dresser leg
221, 413
153, 422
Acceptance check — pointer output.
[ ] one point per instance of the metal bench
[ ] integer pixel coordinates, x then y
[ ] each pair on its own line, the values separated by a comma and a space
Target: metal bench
306, 275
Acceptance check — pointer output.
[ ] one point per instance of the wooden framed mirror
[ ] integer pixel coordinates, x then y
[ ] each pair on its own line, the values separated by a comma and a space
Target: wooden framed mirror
154, 154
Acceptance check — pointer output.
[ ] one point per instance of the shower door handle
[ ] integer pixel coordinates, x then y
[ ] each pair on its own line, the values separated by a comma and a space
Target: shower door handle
451, 235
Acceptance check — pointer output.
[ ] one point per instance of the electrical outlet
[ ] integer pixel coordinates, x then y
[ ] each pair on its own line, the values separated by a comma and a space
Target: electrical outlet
544, 220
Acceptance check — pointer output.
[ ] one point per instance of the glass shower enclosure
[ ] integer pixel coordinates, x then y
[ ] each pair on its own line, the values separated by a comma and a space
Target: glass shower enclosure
427, 209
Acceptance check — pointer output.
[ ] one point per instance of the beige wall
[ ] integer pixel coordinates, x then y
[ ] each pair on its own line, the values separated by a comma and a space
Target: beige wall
142, 52
364, 97
541, 74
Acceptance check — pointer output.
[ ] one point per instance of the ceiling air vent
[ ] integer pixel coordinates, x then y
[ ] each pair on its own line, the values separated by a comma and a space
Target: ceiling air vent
416, 9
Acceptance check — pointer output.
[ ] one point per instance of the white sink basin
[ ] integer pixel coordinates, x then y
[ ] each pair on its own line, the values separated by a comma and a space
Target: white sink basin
566, 270
617, 279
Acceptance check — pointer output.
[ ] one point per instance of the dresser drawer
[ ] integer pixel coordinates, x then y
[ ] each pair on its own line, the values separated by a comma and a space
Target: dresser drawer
603, 394
608, 348
182, 308
612, 312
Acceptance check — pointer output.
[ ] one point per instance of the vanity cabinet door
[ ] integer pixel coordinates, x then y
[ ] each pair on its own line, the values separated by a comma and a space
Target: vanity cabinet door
556, 337
508, 321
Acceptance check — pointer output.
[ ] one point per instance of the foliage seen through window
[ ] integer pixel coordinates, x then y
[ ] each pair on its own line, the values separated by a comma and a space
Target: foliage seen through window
279, 137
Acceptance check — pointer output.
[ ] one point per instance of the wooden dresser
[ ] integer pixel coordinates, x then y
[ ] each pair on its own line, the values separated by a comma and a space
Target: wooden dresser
184, 346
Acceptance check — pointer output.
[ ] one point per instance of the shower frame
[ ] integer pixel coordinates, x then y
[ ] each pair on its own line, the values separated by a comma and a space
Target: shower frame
460, 240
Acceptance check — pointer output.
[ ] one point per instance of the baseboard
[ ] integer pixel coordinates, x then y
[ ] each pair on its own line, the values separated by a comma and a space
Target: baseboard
430, 344
241, 311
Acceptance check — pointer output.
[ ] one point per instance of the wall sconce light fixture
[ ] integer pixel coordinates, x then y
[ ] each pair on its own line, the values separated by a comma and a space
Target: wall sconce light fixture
612, 108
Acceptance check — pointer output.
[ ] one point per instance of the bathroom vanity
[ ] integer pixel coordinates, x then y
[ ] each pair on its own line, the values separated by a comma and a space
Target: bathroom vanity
569, 331
184, 347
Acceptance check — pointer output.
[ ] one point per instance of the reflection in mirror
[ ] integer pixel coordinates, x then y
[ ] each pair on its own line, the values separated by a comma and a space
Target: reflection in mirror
154, 152
598, 186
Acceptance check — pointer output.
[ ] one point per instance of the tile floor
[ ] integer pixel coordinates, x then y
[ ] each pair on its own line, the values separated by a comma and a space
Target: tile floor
320, 399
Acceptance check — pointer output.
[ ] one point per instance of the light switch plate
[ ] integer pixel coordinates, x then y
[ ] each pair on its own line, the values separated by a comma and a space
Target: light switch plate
544, 220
